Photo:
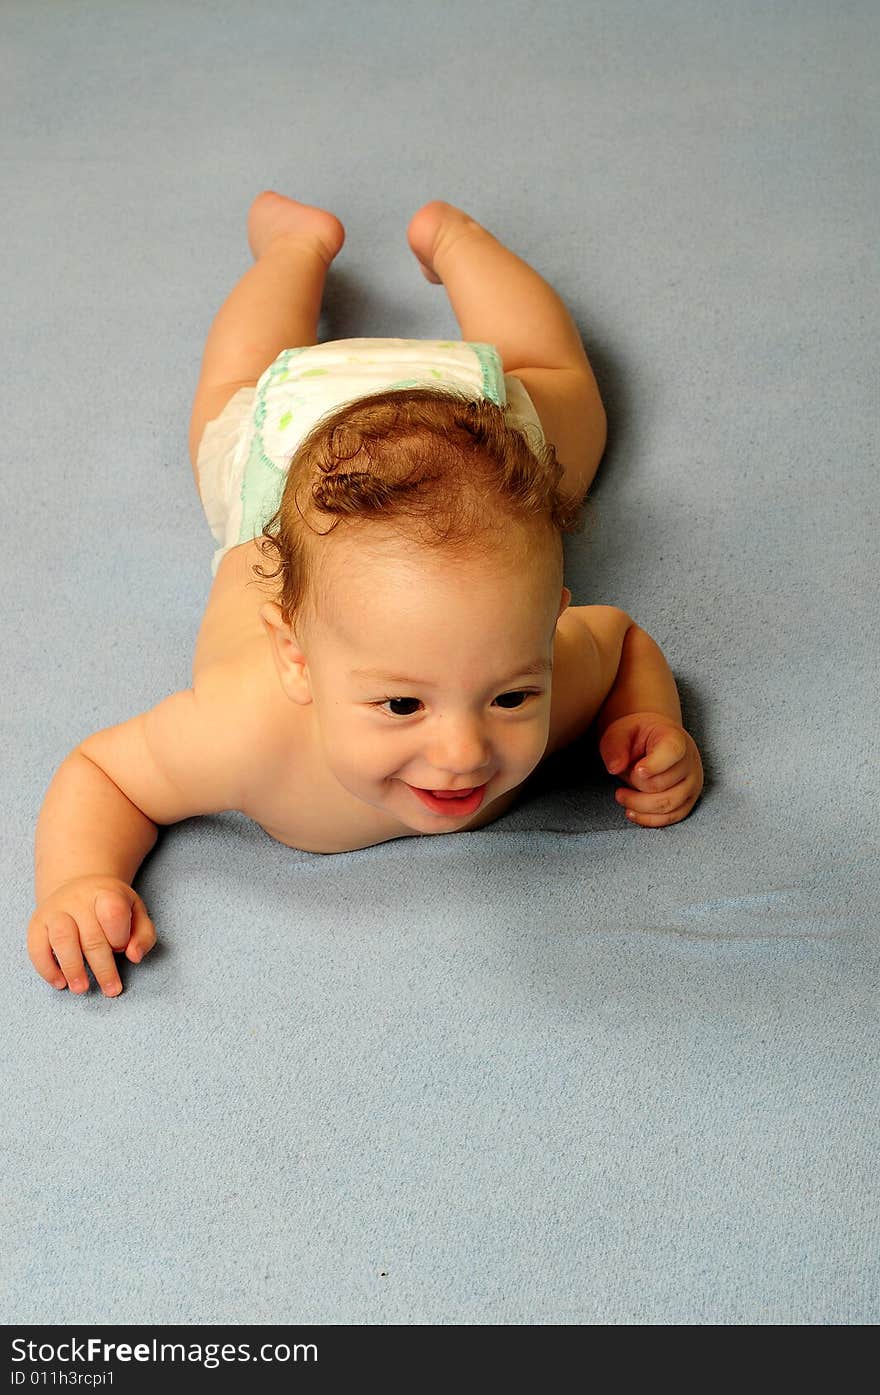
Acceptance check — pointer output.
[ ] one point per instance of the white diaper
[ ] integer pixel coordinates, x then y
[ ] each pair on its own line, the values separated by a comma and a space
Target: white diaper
245, 452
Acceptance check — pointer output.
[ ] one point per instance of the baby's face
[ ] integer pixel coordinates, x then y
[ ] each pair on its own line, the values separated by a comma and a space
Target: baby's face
459, 693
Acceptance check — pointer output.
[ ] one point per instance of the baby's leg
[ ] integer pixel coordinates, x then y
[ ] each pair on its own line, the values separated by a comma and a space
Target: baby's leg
499, 299
275, 306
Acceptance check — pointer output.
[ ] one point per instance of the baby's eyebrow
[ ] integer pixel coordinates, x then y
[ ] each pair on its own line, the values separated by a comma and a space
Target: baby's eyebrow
537, 666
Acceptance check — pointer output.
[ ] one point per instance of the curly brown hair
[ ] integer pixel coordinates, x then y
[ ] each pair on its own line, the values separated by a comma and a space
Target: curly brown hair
436, 466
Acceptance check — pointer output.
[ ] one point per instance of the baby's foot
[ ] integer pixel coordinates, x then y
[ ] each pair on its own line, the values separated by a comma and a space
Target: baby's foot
272, 215
432, 232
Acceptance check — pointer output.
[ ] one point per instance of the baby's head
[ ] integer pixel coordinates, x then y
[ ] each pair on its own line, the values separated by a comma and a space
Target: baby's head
441, 572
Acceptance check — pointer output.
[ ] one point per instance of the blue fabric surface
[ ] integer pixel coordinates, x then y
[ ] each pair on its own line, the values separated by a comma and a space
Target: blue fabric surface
562, 1069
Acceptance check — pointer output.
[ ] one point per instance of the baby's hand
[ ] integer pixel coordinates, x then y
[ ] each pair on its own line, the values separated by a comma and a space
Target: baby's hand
91, 916
661, 763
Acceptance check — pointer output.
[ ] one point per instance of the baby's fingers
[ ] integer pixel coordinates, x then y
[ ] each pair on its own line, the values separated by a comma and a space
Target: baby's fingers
63, 937
653, 783
143, 933
125, 922
100, 956
668, 751
113, 911
656, 810
41, 955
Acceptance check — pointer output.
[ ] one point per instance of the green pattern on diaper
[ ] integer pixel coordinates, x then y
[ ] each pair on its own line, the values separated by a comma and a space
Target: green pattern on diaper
262, 483
262, 488
493, 372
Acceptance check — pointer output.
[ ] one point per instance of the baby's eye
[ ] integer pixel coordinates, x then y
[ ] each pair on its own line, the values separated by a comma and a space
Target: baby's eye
381, 706
519, 696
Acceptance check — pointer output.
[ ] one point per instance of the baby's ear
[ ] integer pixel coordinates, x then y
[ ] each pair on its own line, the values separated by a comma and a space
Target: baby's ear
565, 602
290, 661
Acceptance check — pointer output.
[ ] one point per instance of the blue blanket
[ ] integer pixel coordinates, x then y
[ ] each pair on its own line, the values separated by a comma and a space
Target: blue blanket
563, 1069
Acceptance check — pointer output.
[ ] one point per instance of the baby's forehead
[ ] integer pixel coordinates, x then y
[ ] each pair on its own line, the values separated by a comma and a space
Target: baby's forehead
368, 582
411, 597
366, 635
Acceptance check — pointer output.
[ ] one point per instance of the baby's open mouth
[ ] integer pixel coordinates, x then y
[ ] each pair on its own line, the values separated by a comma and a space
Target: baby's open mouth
454, 801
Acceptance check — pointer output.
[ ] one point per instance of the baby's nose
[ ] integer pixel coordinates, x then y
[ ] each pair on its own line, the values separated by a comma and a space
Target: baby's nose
460, 748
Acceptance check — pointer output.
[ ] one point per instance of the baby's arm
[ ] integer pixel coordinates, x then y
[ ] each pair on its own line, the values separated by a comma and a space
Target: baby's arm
99, 820
641, 737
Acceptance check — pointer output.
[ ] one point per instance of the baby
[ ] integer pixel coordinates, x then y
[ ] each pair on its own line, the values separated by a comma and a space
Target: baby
388, 648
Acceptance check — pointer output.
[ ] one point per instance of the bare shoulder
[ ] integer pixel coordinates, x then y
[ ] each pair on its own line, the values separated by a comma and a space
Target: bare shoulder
234, 681
589, 642
195, 752
607, 625
239, 701
183, 757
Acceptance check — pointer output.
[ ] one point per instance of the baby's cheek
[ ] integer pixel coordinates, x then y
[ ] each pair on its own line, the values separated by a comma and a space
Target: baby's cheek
536, 745
362, 755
